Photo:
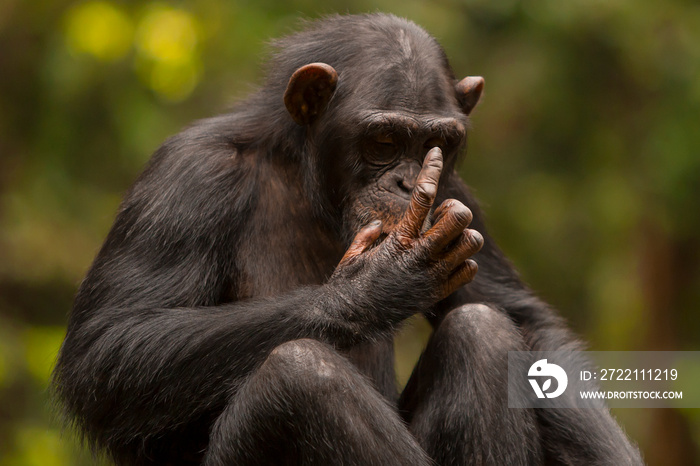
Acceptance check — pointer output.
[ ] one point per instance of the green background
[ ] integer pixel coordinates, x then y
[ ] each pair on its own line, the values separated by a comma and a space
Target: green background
585, 151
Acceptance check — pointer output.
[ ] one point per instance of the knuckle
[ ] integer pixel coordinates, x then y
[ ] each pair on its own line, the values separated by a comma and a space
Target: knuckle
436, 163
424, 193
446, 206
428, 188
461, 213
398, 241
472, 268
404, 242
476, 241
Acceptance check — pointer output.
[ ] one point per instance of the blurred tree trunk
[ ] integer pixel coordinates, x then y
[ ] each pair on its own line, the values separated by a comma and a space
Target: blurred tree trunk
669, 439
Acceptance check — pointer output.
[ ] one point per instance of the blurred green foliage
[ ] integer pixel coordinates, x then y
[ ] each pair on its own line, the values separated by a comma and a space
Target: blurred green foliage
585, 152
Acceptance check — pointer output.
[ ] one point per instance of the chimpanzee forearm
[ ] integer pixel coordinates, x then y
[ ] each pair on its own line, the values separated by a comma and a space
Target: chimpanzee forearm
172, 364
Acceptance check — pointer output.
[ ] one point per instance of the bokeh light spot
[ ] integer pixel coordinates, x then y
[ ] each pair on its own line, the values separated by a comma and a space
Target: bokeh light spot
42, 345
99, 29
168, 60
38, 446
174, 81
166, 34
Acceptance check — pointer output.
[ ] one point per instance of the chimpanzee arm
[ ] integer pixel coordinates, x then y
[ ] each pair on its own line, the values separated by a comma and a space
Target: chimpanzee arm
150, 346
148, 332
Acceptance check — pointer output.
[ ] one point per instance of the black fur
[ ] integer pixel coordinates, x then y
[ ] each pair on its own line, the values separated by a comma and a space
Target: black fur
209, 330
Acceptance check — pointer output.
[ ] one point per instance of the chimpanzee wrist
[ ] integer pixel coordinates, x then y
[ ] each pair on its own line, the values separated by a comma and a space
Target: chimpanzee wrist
366, 306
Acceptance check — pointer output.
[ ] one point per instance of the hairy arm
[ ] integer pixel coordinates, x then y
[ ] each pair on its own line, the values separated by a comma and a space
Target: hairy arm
152, 343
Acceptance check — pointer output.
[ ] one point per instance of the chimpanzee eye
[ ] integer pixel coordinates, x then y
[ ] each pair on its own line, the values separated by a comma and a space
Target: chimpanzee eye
384, 140
381, 149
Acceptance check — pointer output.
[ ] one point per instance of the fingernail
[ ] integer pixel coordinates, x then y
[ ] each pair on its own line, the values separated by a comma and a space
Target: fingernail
376, 223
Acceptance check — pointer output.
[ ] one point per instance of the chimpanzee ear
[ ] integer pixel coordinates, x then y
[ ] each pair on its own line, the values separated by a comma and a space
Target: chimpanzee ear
309, 90
469, 92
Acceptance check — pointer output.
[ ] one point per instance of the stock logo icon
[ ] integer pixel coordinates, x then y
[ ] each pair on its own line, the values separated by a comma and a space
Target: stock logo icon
542, 370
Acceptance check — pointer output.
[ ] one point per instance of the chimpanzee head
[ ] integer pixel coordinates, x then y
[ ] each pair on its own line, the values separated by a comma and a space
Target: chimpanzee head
373, 108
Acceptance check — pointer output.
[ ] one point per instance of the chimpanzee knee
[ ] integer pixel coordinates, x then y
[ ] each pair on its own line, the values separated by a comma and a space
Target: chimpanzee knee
457, 394
306, 360
306, 404
480, 331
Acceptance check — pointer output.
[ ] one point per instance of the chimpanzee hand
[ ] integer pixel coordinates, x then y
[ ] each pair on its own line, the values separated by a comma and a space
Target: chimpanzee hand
410, 271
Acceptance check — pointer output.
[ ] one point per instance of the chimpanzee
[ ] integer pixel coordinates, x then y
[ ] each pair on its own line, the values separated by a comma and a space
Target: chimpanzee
242, 308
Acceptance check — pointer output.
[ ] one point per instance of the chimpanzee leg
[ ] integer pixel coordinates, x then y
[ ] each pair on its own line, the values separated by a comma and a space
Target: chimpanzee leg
308, 405
456, 399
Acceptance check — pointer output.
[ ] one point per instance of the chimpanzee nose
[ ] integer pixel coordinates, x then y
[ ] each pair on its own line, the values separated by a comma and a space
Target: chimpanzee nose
401, 180
406, 185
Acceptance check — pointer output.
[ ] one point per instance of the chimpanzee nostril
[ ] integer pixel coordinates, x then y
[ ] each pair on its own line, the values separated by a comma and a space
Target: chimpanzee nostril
401, 180
405, 185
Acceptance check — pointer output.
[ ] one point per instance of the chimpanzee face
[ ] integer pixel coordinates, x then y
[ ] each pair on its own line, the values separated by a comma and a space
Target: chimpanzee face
387, 155
370, 131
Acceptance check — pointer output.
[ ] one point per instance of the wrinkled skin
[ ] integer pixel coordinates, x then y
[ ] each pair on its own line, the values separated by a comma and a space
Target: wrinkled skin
437, 257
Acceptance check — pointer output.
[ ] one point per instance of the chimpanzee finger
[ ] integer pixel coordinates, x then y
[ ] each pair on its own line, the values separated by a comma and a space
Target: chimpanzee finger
423, 195
363, 240
463, 275
453, 220
440, 211
468, 244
